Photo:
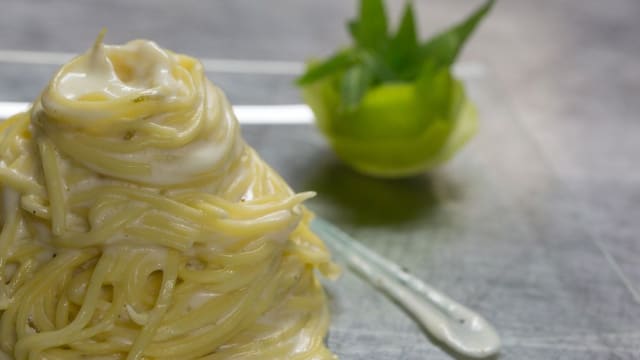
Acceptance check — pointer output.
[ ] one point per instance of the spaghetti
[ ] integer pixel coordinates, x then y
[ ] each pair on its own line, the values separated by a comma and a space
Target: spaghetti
137, 224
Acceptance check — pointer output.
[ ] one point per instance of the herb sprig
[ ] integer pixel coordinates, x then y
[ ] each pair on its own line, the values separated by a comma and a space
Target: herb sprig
381, 56
389, 104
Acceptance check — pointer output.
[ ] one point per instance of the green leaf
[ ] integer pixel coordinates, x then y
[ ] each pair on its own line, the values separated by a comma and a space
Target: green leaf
434, 87
334, 64
371, 28
375, 62
404, 45
352, 26
355, 83
444, 48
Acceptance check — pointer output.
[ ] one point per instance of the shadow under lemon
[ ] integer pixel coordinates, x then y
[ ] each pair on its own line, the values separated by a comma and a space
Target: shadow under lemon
364, 200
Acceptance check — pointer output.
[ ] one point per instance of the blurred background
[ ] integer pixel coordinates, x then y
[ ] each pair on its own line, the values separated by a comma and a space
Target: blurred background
535, 223
570, 68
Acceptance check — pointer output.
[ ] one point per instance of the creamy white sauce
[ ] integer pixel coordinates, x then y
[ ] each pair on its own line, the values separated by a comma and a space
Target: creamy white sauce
10, 200
139, 70
144, 69
174, 166
201, 297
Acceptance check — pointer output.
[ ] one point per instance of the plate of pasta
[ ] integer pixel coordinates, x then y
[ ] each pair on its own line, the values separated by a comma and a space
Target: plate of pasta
137, 223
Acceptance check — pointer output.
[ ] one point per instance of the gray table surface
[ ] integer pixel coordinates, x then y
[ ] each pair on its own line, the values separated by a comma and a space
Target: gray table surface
535, 224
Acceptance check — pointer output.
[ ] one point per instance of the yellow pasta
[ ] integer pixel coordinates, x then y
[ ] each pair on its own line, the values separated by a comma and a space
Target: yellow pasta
137, 224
